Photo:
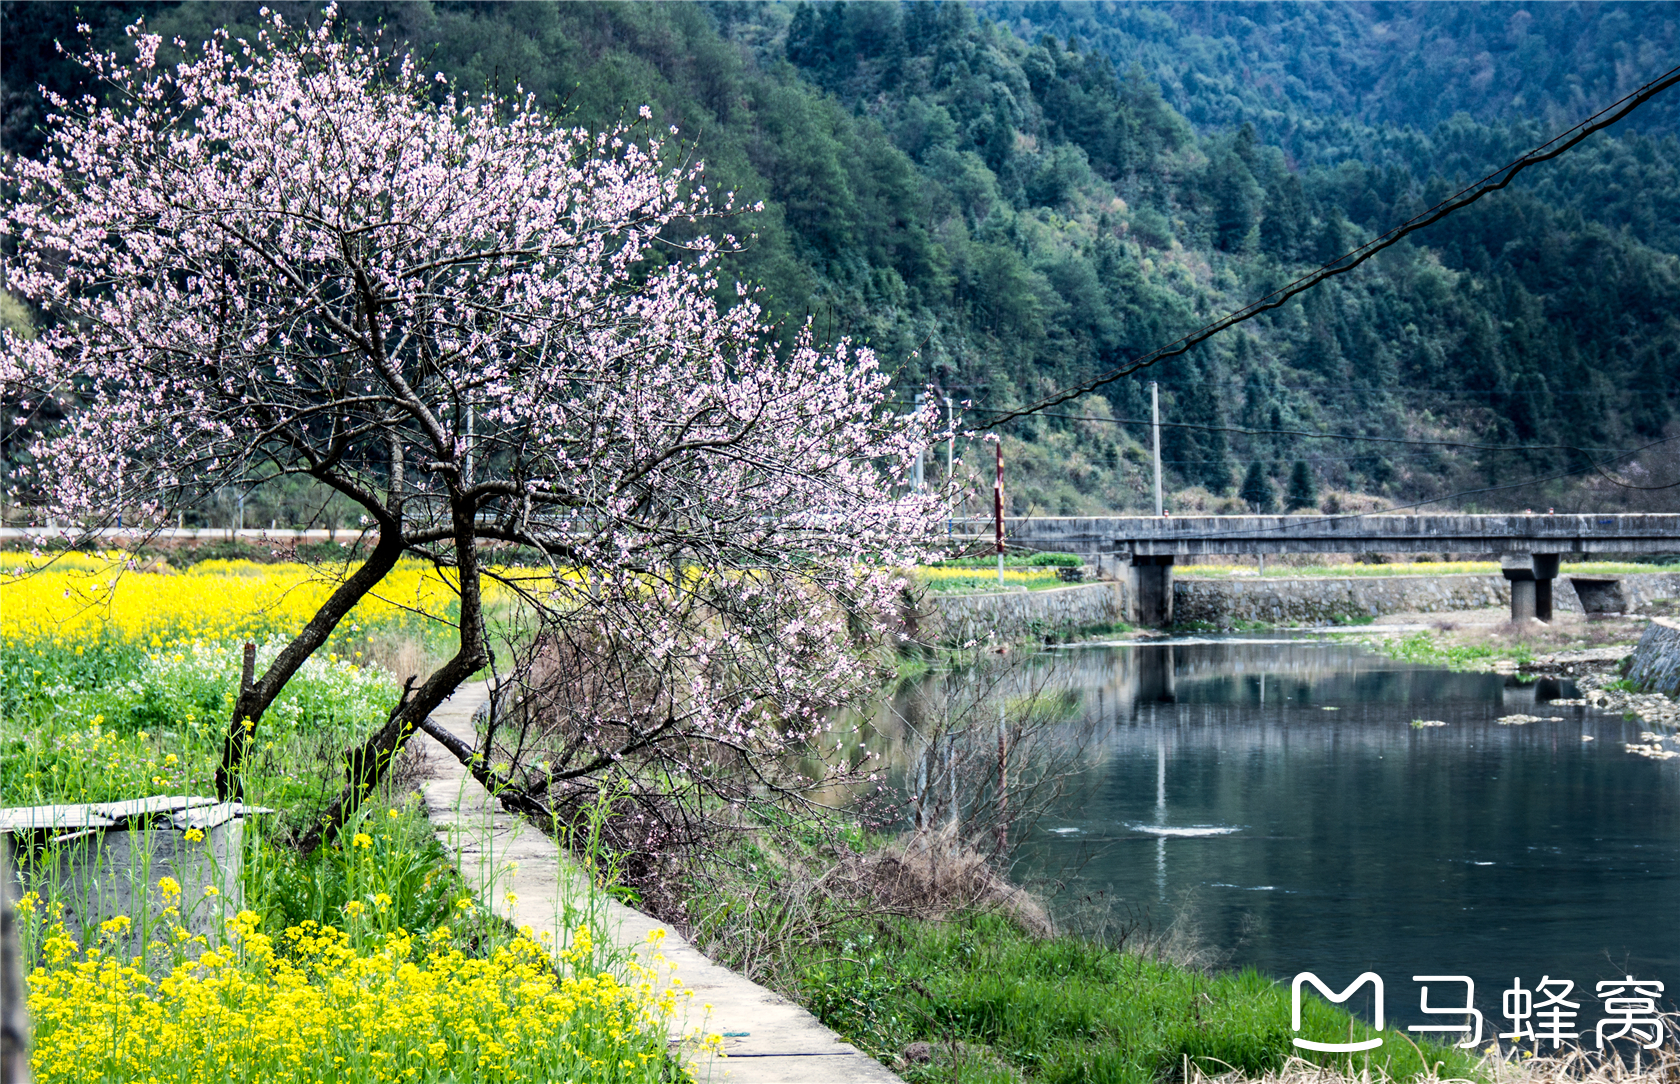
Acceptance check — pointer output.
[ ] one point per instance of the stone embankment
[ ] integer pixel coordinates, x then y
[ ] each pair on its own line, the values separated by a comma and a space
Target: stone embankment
1055, 613
1323, 600
1656, 661
1315, 600
1061, 612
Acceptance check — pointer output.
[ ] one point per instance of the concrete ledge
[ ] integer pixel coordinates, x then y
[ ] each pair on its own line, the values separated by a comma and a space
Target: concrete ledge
523, 875
1379, 533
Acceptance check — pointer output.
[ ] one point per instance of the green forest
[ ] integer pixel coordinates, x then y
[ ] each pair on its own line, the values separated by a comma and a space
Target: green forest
1005, 198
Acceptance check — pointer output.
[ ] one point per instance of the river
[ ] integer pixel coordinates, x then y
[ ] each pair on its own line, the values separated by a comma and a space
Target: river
1274, 797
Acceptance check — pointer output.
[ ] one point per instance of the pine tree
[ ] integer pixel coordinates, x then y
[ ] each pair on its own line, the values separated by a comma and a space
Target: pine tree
1257, 489
1303, 491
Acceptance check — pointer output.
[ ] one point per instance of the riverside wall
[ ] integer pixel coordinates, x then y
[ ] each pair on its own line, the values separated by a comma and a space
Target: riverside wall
1656, 661
1315, 600
1055, 613
1318, 600
1058, 613
1643, 587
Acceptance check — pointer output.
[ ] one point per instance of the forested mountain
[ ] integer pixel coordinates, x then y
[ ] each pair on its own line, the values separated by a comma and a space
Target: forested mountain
1004, 199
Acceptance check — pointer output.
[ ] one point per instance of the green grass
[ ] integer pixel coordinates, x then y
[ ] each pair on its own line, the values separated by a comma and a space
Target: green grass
1015, 559
1101, 629
1066, 1009
108, 721
1425, 647
982, 582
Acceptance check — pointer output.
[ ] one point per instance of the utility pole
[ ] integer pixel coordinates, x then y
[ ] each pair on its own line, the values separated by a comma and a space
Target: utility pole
950, 441
916, 478
1003, 784
468, 469
997, 508
1155, 409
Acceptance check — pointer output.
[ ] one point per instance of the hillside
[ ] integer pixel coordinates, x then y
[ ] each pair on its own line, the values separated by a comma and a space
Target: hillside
1004, 207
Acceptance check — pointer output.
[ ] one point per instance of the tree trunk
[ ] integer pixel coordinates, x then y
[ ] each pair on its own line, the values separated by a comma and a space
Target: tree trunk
366, 767
256, 696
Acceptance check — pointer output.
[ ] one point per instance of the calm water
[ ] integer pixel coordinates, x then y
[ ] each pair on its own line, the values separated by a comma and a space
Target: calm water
1340, 841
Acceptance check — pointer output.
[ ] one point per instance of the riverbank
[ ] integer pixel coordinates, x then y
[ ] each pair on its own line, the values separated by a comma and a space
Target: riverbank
535, 885
1317, 600
1215, 598
1592, 651
802, 979
971, 993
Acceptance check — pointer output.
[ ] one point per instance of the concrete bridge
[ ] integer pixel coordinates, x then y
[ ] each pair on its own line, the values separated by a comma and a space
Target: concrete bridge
1143, 548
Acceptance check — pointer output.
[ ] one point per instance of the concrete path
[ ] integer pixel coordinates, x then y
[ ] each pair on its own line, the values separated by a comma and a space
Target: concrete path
523, 875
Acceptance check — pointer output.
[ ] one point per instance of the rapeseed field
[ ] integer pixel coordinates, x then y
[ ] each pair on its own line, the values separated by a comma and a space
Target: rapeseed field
366, 962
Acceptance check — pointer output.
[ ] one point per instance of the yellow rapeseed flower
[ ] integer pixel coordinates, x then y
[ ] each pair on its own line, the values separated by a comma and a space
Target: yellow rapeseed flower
78, 599
307, 1006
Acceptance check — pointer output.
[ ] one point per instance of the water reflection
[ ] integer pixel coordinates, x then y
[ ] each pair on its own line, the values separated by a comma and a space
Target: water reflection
1279, 792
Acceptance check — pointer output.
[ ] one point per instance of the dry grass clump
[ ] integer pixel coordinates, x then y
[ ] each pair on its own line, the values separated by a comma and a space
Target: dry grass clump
401, 653
1566, 631
1301, 1071
932, 875
1577, 1067
1588, 1067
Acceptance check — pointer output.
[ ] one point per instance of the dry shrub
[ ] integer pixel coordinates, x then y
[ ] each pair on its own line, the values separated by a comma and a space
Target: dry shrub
403, 653
932, 875
1299, 1071
1589, 1067
1577, 1067
590, 729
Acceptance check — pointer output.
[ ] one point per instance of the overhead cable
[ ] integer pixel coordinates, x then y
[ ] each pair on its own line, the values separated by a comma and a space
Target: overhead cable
1494, 181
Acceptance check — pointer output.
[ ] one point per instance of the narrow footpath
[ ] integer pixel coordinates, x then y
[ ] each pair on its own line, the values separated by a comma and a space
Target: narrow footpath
522, 874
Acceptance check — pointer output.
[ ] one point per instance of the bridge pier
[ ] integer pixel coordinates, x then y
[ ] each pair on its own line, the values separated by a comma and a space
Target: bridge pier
1531, 576
1545, 573
1522, 594
1152, 590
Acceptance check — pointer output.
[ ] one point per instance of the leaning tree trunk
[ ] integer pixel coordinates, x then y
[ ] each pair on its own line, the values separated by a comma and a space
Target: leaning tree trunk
256, 694
366, 766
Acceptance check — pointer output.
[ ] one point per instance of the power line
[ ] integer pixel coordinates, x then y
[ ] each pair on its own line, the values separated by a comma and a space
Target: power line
1392, 458
1597, 466
1350, 389
1463, 198
1461, 445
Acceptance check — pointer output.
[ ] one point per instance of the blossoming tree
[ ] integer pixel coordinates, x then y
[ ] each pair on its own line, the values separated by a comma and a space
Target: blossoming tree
297, 256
